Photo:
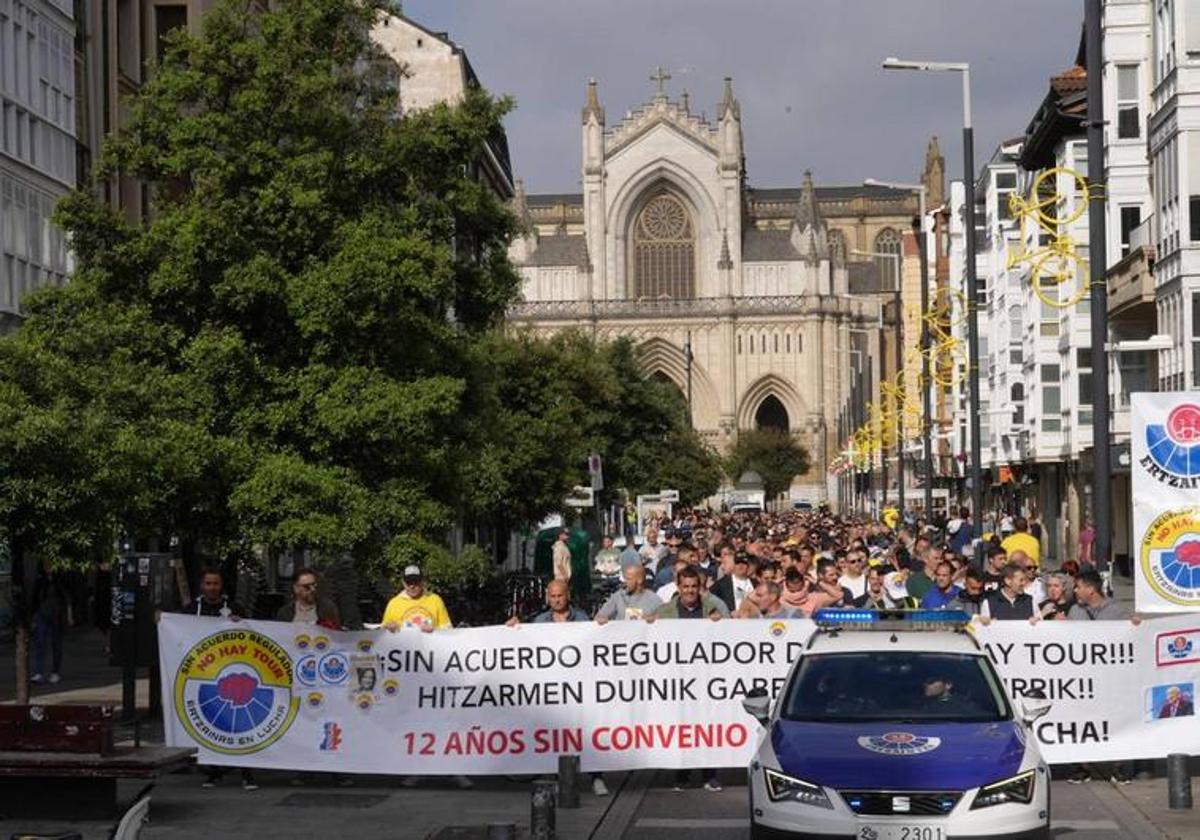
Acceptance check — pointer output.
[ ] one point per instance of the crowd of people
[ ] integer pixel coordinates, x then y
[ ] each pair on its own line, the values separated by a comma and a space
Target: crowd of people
792, 564
701, 564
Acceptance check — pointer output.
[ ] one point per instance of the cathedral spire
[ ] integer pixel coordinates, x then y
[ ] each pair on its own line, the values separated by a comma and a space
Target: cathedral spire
686, 102
729, 104
809, 236
726, 260
592, 106
519, 204
934, 176
807, 213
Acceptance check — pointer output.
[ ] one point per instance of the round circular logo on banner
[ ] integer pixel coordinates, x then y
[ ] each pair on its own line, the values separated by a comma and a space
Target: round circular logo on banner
306, 670
1170, 556
1174, 445
233, 692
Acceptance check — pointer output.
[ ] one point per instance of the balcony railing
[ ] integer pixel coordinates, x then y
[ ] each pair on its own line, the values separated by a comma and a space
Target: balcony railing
574, 310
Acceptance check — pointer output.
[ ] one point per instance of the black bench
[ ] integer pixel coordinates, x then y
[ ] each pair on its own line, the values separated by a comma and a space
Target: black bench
72, 745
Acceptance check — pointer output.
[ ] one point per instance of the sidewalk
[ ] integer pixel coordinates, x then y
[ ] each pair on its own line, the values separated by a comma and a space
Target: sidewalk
373, 807
1149, 797
85, 669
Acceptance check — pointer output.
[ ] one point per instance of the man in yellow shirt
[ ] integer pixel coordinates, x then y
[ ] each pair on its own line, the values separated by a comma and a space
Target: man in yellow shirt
1021, 540
414, 607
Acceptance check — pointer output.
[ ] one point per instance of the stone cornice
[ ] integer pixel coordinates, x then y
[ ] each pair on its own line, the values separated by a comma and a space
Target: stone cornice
658, 111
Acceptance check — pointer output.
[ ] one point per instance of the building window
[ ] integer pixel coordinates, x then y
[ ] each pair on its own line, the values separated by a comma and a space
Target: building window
1051, 399
887, 242
799, 342
1051, 374
787, 343
1194, 218
1129, 125
739, 345
1196, 339
776, 342
1134, 370
166, 20
837, 246
1017, 396
1006, 183
664, 249
1131, 217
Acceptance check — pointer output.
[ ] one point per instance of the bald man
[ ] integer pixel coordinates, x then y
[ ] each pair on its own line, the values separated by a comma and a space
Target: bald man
558, 603
632, 602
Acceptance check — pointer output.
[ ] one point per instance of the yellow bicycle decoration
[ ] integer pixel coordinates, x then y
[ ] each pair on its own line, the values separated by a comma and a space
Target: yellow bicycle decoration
1058, 273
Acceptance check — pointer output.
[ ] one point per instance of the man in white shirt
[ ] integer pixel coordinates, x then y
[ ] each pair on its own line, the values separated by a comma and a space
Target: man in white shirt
853, 577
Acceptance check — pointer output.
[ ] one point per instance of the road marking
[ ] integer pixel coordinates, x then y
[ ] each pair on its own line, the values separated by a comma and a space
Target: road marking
667, 822
1086, 825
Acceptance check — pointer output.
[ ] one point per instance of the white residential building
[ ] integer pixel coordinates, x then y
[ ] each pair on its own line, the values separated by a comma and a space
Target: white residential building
1174, 142
37, 145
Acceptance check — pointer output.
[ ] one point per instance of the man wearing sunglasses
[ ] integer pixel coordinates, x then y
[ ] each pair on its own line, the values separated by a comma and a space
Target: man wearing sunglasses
306, 607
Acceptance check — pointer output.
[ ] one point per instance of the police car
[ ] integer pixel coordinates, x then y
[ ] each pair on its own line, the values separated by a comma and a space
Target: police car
895, 726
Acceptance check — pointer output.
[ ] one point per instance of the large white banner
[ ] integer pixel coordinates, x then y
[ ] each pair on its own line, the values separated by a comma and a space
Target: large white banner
1165, 449
625, 695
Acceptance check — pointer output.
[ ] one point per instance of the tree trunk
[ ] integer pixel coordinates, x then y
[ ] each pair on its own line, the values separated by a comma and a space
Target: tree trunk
21, 646
21, 621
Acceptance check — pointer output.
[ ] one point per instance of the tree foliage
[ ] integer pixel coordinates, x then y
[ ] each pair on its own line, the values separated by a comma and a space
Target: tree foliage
281, 352
772, 453
302, 345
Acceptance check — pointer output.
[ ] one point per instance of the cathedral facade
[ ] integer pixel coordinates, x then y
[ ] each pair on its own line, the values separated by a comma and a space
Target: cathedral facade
750, 300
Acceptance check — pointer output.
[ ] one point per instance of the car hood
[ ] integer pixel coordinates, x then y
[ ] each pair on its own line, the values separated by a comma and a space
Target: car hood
891, 756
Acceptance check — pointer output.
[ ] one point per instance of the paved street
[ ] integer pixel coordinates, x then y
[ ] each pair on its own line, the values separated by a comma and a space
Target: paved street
1095, 811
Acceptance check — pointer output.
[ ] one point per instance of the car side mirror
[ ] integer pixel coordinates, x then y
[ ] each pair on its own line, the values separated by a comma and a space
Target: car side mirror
1034, 705
757, 704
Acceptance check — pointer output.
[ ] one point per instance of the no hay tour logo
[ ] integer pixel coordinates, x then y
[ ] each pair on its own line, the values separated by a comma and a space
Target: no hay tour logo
233, 692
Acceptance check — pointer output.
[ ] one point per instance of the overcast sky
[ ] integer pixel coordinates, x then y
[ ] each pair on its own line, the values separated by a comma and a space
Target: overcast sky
806, 71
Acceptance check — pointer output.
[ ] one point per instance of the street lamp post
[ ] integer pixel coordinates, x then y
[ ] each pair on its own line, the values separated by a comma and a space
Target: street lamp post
972, 280
926, 400
1097, 265
897, 258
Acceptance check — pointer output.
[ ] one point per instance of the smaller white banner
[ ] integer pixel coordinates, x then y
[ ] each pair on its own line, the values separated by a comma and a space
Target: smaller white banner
1165, 449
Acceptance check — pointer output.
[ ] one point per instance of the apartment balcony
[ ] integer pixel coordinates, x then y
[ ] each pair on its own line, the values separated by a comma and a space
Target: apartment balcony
1131, 281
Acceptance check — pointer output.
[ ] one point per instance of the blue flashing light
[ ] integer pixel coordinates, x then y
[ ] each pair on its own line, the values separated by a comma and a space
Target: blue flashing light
891, 619
834, 616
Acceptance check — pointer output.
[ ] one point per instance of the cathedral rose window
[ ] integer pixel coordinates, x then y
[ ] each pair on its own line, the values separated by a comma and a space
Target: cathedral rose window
664, 247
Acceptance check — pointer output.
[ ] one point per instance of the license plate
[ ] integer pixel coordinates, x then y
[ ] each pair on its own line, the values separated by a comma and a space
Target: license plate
900, 831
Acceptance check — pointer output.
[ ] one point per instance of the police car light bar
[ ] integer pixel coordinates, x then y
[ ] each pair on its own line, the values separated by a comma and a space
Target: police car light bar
834, 619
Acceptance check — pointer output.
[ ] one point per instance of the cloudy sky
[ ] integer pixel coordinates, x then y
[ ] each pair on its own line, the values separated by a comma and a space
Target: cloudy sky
806, 71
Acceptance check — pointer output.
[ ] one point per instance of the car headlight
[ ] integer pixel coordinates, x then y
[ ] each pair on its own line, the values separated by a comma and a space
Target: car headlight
1019, 788
781, 788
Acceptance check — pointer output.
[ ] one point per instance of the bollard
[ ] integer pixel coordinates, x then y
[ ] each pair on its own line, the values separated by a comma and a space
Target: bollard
568, 781
501, 831
1179, 783
541, 812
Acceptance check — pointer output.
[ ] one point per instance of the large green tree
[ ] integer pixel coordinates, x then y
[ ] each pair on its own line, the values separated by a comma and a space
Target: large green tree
650, 444
281, 352
774, 454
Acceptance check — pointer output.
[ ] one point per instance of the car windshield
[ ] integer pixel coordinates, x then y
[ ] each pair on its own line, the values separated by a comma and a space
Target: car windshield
895, 686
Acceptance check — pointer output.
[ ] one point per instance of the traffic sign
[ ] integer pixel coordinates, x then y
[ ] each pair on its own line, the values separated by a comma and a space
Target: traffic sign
581, 497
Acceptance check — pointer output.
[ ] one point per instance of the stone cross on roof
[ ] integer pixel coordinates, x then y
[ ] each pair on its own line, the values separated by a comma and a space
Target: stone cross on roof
660, 76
